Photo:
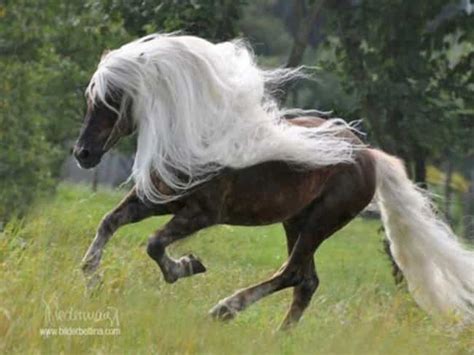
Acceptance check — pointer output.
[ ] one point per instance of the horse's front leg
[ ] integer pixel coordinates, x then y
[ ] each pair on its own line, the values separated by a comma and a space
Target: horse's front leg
187, 221
130, 210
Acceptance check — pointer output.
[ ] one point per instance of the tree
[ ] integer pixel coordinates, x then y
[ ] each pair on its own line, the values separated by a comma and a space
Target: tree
211, 19
389, 54
47, 49
396, 58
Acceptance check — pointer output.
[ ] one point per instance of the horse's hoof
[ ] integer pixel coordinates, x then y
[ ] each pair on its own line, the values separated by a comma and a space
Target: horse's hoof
88, 268
184, 267
194, 264
222, 312
170, 278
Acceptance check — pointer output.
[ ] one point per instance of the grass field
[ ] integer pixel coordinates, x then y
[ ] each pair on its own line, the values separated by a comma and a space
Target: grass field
356, 310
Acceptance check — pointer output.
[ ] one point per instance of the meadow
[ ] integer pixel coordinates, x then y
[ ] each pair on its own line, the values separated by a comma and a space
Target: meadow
356, 310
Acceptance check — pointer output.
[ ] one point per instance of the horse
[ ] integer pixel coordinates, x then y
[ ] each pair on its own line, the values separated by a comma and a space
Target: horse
214, 147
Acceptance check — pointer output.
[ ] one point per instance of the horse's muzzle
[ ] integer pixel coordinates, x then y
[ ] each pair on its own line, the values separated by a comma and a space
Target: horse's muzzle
86, 158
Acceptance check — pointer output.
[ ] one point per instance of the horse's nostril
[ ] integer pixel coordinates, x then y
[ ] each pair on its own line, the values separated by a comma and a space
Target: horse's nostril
83, 153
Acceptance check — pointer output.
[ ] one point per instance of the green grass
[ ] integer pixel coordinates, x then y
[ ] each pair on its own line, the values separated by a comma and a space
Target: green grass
356, 310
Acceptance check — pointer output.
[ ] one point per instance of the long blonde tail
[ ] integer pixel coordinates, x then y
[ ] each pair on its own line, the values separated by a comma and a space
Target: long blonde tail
438, 269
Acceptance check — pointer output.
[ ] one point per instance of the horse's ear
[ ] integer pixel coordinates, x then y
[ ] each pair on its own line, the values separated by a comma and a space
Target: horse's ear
104, 53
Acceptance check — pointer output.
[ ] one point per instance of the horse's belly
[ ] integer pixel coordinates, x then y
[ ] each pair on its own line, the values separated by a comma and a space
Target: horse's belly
271, 193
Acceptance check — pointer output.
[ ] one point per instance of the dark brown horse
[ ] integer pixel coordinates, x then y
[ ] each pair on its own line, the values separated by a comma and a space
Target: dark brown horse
311, 202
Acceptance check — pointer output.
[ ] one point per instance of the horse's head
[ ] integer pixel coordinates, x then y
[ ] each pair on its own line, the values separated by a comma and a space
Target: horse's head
105, 122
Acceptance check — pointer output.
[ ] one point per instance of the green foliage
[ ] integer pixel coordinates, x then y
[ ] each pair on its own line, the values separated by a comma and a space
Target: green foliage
211, 19
25, 153
411, 87
48, 51
265, 30
356, 310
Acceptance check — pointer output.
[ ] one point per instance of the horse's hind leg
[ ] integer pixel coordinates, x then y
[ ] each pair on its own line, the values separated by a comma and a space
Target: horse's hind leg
330, 212
290, 274
303, 292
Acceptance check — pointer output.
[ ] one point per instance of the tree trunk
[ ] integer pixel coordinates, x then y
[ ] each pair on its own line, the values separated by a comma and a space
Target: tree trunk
302, 34
301, 38
420, 169
468, 218
447, 189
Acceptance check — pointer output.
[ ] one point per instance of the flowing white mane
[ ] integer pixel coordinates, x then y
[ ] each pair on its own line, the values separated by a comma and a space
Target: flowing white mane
200, 107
